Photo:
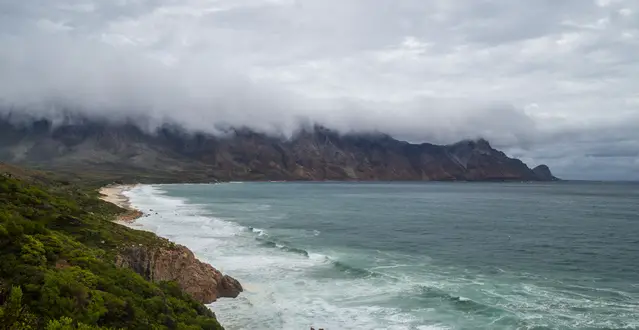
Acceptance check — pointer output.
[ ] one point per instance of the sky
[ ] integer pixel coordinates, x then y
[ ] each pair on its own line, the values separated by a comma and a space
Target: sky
548, 81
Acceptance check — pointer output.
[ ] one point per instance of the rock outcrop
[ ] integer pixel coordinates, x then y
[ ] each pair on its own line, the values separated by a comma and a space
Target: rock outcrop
199, 280
543, 172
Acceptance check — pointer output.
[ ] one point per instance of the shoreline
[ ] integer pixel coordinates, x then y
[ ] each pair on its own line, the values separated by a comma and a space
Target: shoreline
114, 194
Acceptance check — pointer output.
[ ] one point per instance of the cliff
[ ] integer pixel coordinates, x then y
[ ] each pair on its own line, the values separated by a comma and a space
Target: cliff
178, 264
169, 153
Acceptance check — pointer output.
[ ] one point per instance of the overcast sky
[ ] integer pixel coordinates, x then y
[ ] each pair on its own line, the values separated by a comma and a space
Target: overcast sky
549, 81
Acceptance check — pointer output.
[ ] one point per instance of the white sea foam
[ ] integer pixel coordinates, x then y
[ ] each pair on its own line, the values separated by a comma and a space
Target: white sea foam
258, 231
281, 292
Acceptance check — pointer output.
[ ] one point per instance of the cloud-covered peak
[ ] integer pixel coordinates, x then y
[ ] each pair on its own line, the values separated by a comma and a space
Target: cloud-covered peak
550, 81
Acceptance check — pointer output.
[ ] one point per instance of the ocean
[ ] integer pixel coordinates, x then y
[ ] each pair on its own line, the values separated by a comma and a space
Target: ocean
412, 255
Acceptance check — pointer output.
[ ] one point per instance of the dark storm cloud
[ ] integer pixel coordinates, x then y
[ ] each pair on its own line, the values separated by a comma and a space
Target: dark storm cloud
548, 81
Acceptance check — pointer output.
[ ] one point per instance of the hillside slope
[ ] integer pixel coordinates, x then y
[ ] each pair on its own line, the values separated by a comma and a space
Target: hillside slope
170, 153
62, 264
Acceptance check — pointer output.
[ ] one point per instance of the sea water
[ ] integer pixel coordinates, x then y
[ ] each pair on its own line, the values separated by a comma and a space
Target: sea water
412, 255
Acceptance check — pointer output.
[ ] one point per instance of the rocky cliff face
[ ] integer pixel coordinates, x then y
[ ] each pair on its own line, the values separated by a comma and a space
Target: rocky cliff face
200, 280
313, 154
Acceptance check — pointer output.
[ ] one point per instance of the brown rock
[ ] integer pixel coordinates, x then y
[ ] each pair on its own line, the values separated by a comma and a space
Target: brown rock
229, 287
130, 216
199, 280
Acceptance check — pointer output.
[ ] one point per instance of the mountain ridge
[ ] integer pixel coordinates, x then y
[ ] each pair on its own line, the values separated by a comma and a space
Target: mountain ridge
313, 153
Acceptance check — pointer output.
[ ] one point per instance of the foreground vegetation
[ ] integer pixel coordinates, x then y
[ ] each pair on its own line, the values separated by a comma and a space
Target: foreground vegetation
57, 271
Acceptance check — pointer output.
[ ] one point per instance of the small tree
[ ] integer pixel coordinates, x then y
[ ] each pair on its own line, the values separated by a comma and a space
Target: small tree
14, 315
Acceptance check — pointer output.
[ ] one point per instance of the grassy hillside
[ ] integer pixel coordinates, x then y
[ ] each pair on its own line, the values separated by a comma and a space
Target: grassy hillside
57, 247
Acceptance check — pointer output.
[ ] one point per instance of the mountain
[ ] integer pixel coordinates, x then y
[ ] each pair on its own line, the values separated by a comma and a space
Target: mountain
171, 153
544, 174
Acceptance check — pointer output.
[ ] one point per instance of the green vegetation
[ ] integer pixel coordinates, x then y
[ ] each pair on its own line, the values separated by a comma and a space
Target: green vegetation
57, 271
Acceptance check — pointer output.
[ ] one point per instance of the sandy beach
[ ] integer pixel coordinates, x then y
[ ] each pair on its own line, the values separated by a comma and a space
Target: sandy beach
115, 194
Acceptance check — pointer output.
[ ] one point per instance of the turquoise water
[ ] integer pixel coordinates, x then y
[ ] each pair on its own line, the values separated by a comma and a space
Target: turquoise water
412, 256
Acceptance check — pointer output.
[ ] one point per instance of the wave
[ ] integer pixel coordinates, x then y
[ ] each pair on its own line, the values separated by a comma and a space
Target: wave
261, 236
338, 265
357, 272
258, 231
557, 310
295, 250
458, 302
272, 244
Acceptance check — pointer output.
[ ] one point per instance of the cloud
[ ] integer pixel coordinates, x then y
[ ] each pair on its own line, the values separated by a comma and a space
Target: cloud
549, 81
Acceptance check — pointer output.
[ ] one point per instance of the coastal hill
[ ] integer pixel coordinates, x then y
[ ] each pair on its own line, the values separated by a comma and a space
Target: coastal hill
171, 153
67, 265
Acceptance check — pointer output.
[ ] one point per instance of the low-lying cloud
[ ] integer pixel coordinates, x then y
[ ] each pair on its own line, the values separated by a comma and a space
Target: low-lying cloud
550, 82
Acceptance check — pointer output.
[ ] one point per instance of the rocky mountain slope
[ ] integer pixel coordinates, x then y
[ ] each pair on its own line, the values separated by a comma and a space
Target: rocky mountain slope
173, 154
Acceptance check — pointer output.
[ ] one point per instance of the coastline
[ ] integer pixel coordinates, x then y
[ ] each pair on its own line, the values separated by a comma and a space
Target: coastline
114, 194
84, 247
178, 263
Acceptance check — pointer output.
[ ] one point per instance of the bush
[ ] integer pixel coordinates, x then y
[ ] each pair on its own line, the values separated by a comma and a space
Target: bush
14, 314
